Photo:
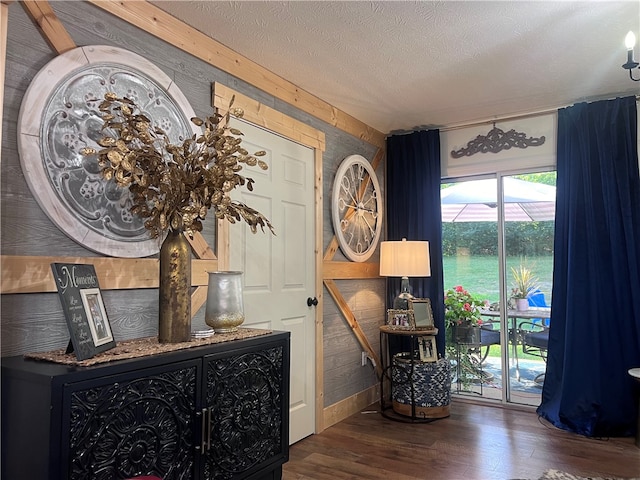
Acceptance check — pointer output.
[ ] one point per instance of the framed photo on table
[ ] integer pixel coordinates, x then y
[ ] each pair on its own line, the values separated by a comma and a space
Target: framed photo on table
400, 319
83, 308
422, 313
427, 348
96, 316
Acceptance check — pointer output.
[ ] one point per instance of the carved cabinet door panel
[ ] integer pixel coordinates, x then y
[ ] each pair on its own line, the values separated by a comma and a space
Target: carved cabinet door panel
137, 423
247, 403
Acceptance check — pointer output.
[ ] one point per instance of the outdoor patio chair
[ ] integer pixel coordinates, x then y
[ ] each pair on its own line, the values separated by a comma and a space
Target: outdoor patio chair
536, 299
535, 339
488, 336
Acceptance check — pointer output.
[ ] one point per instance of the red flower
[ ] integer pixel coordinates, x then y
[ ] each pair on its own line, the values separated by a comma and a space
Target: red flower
461, 308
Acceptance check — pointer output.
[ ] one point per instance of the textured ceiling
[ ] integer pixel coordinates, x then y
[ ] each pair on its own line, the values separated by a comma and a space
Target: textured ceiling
403, 65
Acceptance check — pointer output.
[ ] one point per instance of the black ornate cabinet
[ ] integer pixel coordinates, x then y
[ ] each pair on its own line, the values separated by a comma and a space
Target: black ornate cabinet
219, 411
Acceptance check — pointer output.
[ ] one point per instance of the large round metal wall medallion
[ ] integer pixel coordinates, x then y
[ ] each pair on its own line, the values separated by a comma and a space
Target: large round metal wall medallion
59, 116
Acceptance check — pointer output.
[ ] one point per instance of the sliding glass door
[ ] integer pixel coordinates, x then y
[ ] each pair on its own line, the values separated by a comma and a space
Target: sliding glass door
498, 250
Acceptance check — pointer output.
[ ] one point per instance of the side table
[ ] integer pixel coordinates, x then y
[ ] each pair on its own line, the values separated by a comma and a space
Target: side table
418, 391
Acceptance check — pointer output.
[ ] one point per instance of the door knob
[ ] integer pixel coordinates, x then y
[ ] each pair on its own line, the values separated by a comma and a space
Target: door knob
312, 301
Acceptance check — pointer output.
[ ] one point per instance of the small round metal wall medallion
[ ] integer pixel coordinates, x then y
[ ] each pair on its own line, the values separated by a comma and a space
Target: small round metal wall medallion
59, 116
356, 208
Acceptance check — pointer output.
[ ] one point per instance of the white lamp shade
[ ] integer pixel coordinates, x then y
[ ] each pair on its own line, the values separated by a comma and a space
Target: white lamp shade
404, 259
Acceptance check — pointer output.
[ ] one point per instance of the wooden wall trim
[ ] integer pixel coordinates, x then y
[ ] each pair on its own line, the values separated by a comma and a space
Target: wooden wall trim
331, 249
52, 29
269, 118
27, 274
319, 389
159, 23
353, 323
351, 405
32, 274
350, 270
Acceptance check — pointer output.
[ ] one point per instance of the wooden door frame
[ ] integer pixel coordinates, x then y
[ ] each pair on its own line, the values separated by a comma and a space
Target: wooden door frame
299, 132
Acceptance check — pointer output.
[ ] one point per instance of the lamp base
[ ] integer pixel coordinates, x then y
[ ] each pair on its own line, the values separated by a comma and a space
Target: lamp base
401, 302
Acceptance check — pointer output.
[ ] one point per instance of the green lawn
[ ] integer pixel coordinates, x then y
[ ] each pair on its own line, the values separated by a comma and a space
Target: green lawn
479, 274
494, 351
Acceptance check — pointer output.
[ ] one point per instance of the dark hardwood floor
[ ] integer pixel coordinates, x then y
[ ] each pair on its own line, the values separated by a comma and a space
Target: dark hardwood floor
476, 442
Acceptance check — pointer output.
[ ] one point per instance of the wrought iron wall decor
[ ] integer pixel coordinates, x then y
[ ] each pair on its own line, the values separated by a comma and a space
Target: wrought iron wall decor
497, 140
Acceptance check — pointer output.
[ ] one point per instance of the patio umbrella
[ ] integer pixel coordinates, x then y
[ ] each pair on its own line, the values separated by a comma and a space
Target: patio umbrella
476, 201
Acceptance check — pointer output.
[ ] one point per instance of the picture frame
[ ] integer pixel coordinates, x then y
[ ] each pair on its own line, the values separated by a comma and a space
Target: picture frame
87, 320
400, 319
422, 313
96, 316
427, 348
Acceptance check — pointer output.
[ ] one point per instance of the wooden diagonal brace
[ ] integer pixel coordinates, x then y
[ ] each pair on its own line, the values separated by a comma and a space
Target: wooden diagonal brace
353, 323
52, 29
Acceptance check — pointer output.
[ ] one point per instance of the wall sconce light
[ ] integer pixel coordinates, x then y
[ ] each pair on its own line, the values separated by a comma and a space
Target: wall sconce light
630, 43
404, 259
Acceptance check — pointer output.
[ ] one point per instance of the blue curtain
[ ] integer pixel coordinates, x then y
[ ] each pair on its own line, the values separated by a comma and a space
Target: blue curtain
595, 318
413, 211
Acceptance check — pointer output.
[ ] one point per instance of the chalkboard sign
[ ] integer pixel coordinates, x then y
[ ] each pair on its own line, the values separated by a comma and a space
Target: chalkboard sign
83, 309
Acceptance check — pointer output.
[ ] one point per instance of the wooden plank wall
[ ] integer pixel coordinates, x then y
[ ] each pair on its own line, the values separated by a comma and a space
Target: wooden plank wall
34, 321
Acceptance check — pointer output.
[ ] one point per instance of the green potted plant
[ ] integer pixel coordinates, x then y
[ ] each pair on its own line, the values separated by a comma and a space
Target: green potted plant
462, 332
525, 283
462, 315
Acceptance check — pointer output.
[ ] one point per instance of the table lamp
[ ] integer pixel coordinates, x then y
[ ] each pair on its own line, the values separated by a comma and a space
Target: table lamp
404, 259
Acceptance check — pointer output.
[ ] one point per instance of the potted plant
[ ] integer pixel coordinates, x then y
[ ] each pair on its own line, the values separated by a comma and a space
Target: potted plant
463, 334
525, 284
462, 315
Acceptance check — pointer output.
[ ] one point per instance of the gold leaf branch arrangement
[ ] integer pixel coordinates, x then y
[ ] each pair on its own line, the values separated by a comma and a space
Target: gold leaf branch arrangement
173, 186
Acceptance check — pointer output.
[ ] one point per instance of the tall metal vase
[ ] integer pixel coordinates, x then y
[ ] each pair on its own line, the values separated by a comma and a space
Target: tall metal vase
225, 308
175, 289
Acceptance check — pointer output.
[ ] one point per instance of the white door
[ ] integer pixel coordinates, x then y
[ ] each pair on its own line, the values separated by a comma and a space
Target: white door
279, 271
